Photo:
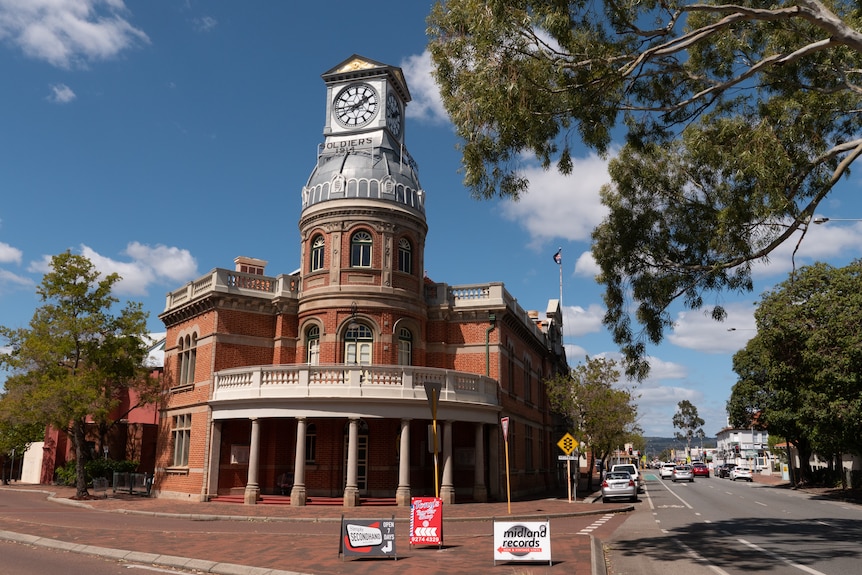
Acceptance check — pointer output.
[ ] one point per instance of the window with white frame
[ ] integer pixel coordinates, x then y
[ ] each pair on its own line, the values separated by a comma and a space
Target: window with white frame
181, 431
405, 256
312, 344
318, 244
358, 340
360, 249
188, 356
405, 347
311, 443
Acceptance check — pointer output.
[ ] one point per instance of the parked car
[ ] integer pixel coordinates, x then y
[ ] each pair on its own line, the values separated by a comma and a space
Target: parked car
682, 473
633, 470
699, 469
740, 472
666, 470
619, 484
724, 470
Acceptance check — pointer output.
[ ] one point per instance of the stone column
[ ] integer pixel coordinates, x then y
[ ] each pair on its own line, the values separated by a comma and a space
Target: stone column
480, 492
298, 495
402, 494
351, 490
214, 460
252, 489
447, 489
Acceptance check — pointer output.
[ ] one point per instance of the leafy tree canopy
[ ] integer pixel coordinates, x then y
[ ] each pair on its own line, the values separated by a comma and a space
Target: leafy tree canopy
801, 371
76, 360
602, 414
687, 420
738, 120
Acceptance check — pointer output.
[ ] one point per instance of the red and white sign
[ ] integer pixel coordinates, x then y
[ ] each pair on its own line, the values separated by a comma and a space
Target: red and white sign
504, 421
426, 521
522, 541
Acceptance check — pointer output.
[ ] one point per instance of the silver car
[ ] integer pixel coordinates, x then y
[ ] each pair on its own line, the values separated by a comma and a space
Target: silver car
682, 473
619, 484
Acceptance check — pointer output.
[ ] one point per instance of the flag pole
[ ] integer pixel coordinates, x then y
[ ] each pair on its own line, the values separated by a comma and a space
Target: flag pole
558, 257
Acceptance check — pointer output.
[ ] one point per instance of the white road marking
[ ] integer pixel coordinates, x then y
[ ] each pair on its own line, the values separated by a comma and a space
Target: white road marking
700, 559
778, 557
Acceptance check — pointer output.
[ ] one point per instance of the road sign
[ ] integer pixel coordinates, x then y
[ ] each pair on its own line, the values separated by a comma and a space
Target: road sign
568, 444
567, 458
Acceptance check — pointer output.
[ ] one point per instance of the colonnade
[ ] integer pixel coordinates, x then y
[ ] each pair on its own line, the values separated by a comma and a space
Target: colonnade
299, 495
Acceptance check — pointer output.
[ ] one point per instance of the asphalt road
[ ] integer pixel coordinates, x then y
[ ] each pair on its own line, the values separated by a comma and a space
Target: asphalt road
732, 528
29, 560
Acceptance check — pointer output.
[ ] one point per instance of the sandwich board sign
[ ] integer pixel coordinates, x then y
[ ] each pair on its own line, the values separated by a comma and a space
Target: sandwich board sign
367, 538
522, 541
426, 521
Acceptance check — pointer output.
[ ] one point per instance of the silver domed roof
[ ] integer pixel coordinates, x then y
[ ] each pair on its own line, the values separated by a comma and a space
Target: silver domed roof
354, 169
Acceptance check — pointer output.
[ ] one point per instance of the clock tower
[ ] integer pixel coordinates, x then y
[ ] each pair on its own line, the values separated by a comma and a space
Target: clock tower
364, 96
363, 225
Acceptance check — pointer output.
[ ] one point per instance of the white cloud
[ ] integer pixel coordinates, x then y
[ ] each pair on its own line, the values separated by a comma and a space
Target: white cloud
587, 266
8, 254
204, 24
68, 33
427, 103
8, 278
61, 94
149, 265
558, 206
578, 321
698, 331
173, 264
822, 242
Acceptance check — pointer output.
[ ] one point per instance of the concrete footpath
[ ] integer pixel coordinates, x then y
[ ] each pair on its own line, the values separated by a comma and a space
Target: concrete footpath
236, 539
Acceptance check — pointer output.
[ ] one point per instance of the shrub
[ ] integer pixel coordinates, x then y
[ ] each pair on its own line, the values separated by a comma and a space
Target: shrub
106, 468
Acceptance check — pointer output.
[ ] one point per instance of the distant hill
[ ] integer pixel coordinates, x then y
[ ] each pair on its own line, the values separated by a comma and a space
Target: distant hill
655, 445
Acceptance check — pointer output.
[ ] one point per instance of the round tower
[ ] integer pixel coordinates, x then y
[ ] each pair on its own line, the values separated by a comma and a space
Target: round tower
363, 225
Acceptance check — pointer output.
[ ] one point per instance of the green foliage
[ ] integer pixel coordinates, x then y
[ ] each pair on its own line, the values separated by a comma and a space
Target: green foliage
739, 119
802, 369
94, 468
18, 436
68, 474
76, 360
602, 414
687, 420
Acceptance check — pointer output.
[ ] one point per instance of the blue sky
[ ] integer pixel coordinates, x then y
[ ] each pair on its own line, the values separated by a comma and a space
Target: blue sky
162, 139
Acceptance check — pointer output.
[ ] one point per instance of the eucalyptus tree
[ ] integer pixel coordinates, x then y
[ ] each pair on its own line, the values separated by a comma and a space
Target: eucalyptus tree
600, 410
736, 121
687, 420
76, 360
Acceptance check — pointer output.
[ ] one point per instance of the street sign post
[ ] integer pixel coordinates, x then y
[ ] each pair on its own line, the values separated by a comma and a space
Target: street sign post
568, 444
504, 422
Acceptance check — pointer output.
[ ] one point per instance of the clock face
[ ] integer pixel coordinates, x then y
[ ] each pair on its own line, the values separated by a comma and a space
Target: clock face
356, 105
393, 115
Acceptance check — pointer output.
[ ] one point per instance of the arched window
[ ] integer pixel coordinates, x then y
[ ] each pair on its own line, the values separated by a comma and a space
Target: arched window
317, 250
405, 347
188, 355
358, 340
405, 256
360, 250
312, 345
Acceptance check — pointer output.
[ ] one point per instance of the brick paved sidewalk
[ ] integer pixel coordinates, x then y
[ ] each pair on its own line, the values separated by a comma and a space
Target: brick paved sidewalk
305, 540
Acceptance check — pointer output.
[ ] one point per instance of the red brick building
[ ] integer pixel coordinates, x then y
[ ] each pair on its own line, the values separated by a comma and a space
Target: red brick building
317, 383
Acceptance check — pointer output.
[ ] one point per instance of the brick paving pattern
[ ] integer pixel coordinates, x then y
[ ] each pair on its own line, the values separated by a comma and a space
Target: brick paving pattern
304, 539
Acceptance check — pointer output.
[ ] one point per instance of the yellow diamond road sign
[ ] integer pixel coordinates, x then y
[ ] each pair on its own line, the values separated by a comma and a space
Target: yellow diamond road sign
567, 444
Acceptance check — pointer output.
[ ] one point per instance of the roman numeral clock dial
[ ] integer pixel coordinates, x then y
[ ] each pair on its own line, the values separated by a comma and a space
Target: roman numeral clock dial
356, 105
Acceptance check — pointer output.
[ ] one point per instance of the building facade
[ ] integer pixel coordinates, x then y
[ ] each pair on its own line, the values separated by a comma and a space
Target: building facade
356, 376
